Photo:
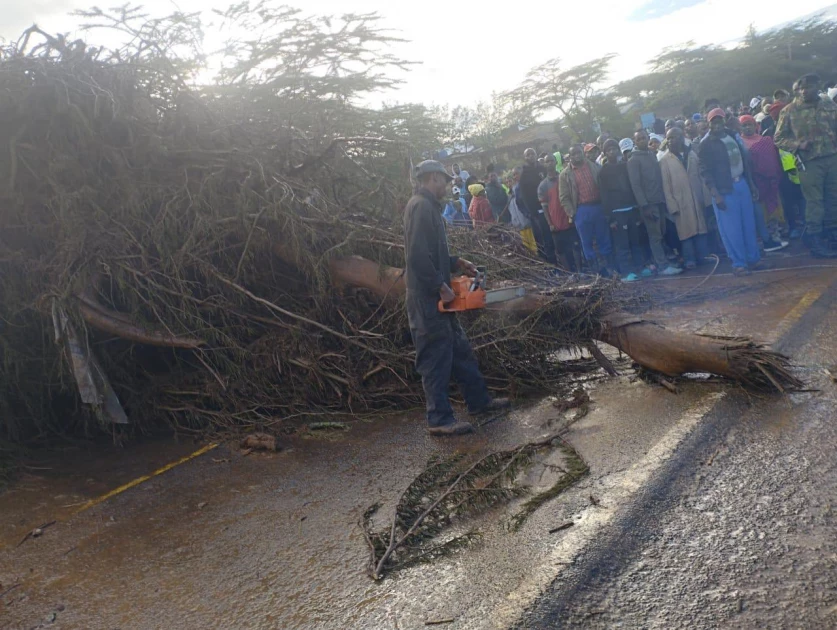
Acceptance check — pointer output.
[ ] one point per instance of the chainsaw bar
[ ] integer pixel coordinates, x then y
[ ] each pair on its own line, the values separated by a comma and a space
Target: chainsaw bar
504, 295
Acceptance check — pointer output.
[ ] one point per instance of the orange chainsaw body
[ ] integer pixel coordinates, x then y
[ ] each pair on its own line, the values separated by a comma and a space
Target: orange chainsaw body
466, 298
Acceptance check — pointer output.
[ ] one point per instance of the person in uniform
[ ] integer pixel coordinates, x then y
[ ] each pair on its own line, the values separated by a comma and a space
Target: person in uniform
807, 127
442, 348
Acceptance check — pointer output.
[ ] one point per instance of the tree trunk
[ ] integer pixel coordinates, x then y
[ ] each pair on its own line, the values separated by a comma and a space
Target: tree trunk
652, 346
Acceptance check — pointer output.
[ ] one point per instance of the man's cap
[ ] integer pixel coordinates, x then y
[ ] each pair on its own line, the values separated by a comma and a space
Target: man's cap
431, 166
755, 102
715, 113
626, 144
657, 137
775, 109
832, 92
589, 147
455, 190
696, 116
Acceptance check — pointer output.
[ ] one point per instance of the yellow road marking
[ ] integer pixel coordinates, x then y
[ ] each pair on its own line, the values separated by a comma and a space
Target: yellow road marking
144, 478
794, 315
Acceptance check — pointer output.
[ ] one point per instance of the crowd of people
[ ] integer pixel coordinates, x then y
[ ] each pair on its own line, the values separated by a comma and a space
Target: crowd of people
742, 180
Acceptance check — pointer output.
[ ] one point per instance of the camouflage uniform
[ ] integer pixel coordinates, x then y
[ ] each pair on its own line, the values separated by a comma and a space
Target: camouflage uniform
817, 123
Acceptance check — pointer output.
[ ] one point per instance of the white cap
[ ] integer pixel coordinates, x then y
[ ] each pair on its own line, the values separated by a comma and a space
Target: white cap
455, 190
755, 102
832, 93
626, 144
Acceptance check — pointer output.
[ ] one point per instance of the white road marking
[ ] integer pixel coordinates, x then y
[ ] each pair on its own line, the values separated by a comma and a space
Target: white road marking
617, 490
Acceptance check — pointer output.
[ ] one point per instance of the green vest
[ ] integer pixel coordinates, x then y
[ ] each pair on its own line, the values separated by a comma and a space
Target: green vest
559, 161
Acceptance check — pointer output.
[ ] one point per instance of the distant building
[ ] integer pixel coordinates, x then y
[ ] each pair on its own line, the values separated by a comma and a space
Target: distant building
508, 150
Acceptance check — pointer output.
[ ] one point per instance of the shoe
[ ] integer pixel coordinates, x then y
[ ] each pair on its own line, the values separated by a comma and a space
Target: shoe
497, 404
457, 427
818, 246
774, 246
671, 270
741, 271
631, 277
757, 265
647, 273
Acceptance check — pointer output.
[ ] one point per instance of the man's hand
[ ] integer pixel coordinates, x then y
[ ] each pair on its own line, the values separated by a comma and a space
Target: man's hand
648, 213
446, 294
466, 267
755, 193
719, 201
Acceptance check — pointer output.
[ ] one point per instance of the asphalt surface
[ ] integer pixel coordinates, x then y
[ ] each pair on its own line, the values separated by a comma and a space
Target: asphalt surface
737, 530
703, 509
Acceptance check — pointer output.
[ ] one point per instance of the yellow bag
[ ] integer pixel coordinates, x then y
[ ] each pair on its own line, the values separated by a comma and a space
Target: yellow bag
528, 237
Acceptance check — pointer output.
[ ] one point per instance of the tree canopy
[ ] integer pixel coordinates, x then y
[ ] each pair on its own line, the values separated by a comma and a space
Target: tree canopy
686, 76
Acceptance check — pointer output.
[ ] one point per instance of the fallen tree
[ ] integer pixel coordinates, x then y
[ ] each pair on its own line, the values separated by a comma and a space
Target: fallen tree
229, 256
652, 346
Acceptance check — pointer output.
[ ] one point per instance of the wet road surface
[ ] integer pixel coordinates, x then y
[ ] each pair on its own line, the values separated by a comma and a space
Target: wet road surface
737, 531
271, 541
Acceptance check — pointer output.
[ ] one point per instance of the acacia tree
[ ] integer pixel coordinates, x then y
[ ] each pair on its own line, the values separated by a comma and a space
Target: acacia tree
686, 75
547, 88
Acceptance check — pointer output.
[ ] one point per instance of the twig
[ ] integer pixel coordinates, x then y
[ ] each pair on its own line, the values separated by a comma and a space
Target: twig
697, 286
35, 533
561, 527
602, 360
10, 589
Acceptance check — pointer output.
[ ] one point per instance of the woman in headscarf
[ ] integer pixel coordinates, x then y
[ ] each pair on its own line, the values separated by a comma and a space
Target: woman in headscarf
480, 210
767, 173
655, 141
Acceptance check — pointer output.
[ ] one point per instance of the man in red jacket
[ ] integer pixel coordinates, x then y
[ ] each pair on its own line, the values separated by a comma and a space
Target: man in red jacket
564, 235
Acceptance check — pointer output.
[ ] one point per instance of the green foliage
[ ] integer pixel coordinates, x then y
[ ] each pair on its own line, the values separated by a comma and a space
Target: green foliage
549, 90
685, 76
477, 126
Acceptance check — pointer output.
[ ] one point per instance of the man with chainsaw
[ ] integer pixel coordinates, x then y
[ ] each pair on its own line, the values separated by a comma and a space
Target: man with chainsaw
442, 348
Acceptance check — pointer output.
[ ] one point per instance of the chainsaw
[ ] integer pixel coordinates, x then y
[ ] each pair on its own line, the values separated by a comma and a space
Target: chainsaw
470, 294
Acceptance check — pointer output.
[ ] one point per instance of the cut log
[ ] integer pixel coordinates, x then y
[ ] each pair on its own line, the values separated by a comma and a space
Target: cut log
388, 283
652, 346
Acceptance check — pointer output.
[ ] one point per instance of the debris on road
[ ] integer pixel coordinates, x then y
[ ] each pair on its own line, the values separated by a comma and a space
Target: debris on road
36, 533
259, 442
561, 527
458, 487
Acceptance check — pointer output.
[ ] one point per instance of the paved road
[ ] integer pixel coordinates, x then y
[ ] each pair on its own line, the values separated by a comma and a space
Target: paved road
712, 510
738, 529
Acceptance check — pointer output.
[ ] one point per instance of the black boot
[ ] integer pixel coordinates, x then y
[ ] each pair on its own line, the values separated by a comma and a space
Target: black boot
819, 246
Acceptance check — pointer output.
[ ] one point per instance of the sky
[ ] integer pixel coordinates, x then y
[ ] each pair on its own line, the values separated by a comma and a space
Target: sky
469, 49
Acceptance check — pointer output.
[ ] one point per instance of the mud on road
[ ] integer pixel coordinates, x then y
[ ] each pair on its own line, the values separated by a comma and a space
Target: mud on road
271, 540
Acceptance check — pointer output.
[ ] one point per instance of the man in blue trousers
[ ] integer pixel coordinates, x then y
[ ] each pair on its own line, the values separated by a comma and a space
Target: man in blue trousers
725, 170
442, 348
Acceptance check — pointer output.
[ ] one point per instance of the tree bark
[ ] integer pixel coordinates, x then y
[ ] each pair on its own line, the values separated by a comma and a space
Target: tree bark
120, 325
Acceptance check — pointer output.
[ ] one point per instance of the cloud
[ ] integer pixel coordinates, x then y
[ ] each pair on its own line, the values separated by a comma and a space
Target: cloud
50, 14
660, 8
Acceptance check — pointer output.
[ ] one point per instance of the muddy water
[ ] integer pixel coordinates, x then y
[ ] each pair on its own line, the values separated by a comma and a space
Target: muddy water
271, 541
